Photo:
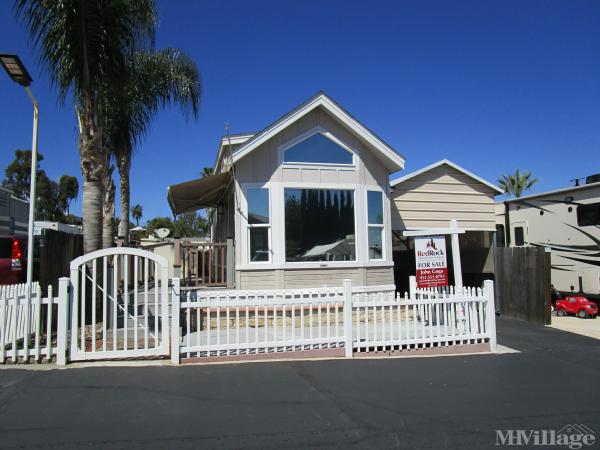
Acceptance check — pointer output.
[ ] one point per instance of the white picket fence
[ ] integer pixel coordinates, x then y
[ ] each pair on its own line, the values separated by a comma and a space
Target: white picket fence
32, 328
251, 324
426, 320
328, 321
19, 324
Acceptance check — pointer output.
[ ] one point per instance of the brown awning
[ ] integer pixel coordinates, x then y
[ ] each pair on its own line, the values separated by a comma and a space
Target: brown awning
204, 192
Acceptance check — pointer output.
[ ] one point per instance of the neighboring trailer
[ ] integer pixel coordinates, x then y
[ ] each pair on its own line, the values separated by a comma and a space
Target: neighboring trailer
14, 214
566, 221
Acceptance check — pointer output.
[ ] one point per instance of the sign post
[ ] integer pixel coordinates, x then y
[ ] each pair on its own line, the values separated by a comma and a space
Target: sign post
432, 266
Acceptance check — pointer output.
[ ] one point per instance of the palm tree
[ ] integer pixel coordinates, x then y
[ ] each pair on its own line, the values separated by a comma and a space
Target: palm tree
85, 45
517, 183
206, 171
137, 212
108, 207
155, 79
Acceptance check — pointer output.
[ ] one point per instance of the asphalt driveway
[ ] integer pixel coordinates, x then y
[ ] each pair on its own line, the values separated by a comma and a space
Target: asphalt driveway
442, 402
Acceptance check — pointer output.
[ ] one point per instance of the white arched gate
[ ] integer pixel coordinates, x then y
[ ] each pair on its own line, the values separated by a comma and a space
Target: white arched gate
119, 305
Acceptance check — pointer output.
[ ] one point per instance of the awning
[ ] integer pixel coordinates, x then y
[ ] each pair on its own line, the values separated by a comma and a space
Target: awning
205, 192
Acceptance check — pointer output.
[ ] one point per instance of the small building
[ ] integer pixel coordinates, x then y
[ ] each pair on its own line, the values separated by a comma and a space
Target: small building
14, 214
428, 199
307, 200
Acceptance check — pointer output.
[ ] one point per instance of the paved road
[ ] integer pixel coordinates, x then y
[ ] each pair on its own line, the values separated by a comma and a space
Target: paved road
444, 402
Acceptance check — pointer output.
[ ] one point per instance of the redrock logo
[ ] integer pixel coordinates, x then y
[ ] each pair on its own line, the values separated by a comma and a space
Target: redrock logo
430, 253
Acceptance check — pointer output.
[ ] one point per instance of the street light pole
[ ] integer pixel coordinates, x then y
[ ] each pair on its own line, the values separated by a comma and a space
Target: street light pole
18, 73
32, 192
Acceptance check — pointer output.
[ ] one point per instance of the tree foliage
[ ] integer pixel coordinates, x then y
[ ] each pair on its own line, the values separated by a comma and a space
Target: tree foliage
52, 198
68, 187
517, 183
85, 46
137, 212
185, 225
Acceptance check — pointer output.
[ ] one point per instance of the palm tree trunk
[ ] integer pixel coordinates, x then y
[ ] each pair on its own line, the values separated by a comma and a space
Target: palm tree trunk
108, 209
93, 160
124, 166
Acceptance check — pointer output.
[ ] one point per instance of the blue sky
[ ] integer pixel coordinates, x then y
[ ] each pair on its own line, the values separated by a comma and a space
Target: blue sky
492, 86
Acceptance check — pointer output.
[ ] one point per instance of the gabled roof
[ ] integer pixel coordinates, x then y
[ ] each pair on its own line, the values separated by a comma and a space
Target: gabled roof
407, 177
233, 139
392, 159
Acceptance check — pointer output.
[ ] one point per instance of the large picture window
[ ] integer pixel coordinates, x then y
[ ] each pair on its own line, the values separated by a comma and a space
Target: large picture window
317, 149
375, 224
319, 225
259, 223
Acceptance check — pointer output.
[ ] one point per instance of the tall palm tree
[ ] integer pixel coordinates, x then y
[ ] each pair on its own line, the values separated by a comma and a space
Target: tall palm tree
108, 207
85, 45
137, 212
517, 183
156, 79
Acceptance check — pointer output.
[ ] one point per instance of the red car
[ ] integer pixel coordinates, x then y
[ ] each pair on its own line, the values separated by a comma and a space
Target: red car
13, 259
578, 305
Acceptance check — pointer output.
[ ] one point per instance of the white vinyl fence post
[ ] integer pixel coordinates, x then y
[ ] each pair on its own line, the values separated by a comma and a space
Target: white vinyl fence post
412, 287
62, 327
348, 344
488, 287
175, 332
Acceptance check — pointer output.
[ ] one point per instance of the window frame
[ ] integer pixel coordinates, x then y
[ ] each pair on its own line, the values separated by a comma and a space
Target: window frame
381, 226
523, 227
249, 226
308, 134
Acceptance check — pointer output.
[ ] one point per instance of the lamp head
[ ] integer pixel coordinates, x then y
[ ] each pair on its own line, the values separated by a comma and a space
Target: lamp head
15, 69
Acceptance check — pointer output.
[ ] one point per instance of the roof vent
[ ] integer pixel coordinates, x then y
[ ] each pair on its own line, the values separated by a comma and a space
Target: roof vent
593, 178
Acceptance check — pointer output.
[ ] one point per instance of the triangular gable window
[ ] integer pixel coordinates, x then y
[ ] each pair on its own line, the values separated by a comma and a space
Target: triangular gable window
318, 149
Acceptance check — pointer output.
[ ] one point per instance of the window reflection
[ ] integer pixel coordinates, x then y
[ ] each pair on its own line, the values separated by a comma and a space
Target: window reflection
319, 225
375, 222
258, 205
317, 149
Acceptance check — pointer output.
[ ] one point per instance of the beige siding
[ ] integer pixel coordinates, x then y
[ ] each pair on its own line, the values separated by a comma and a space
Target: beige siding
320, 277
439, 195
380, 275
258, 279
311, 278
262, 164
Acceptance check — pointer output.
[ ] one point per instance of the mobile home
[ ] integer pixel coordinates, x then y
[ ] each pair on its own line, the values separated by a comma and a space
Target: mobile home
567, 222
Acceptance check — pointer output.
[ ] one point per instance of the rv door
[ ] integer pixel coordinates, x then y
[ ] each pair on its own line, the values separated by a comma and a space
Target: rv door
591, 280
519, 234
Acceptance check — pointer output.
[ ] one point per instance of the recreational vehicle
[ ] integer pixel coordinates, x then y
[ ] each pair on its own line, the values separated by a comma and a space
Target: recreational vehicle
567, 222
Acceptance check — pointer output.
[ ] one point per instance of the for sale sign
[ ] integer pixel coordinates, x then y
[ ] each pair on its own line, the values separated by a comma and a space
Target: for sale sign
430, 253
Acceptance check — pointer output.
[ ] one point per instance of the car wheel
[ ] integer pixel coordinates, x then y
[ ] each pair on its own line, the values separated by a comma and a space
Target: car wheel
561, 313
583, 314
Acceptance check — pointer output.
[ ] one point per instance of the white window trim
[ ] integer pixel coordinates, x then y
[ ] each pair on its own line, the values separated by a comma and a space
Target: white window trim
381, 226
277, 230
302, 137
246, 227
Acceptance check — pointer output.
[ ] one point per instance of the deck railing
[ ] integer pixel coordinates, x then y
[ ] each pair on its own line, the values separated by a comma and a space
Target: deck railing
204, 263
